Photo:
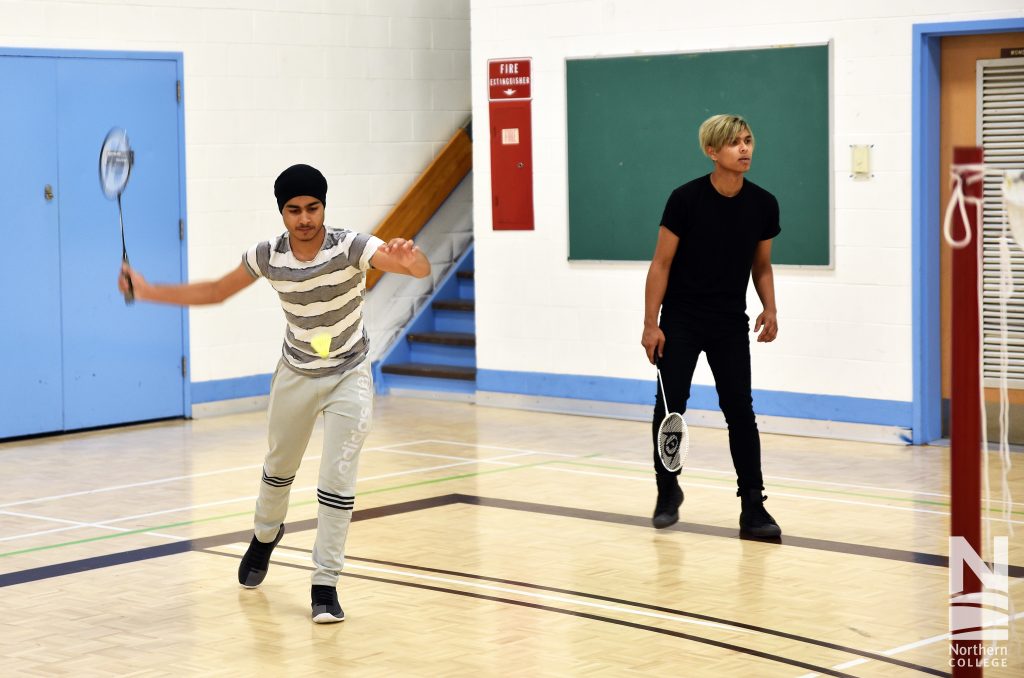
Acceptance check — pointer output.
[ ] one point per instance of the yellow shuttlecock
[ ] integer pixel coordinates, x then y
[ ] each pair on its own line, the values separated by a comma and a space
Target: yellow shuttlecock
321, 344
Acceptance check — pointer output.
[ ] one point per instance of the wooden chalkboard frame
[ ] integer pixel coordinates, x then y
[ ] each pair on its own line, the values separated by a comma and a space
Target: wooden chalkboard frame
631, 137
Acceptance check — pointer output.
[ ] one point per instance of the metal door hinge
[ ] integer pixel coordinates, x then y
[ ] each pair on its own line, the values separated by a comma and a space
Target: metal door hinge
177, 90
184, 366
181, 229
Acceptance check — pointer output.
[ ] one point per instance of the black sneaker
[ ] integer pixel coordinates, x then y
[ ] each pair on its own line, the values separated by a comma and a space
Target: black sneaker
755, 521
326, 609
256, 561
670, 498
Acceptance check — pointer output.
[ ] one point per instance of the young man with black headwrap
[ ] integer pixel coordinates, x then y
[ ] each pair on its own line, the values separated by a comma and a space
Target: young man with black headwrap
319, 275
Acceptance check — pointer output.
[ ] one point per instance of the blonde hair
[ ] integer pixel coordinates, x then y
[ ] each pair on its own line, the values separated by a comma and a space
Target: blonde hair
719, 130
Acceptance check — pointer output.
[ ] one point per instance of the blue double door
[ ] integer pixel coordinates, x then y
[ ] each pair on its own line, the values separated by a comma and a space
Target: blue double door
73, 354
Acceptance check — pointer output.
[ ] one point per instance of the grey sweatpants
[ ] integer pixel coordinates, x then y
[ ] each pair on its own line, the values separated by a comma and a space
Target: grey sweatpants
346, 401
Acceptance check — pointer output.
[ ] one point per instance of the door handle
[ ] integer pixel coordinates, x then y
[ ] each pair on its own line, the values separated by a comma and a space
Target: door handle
48, 192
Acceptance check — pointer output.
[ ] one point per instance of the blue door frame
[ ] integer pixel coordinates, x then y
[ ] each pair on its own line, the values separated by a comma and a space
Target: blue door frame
925, 179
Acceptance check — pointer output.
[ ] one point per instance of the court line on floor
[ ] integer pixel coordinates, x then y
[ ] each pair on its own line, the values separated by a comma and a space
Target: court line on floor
730, 472
909, 646
676, 615
234, 469
559, 610
647, 465
609, 620
76, 524
522, 452
147, 530
170, 479
825, 545
378, 448
87, 564
282, 552
784, 494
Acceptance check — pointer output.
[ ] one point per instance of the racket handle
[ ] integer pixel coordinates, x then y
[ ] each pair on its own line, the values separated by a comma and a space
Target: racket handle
129, 294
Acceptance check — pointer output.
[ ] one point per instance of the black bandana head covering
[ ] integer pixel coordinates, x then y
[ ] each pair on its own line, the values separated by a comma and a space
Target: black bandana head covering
300, 180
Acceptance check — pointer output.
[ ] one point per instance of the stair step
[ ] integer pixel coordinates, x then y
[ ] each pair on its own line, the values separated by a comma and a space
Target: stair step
432, 371
444, 338
465, 275
455, 305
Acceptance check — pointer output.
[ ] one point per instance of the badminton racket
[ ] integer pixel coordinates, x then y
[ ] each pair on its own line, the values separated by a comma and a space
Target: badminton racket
673, 436
116, 160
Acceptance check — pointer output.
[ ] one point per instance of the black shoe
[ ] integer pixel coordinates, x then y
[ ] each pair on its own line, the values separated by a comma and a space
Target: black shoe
326, 609
256, 561
754, 520
670, 498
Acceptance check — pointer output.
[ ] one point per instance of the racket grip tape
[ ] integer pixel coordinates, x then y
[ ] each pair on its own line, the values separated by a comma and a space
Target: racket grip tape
129, 294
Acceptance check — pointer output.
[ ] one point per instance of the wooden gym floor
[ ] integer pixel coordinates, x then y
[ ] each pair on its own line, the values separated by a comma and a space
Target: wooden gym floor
486, 542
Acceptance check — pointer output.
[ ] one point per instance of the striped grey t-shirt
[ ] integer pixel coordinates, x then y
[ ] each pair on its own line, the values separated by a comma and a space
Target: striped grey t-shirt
322, 299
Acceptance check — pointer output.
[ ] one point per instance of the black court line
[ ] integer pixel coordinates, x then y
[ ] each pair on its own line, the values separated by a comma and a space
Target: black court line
645, 606
573, 613
915, 557
186, 545
84, 565
205, 543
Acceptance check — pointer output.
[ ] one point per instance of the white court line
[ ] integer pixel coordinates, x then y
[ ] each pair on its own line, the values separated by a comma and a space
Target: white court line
495, 460
171, 479
892, 652
78, 524
806, 497
876, 488
517, 592
505, 449
647, 464
432, 455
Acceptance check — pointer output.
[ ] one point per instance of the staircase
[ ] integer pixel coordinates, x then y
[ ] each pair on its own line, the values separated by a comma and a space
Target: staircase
436, 353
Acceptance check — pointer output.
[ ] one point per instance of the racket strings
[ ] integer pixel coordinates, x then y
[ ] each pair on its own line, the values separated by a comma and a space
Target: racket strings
673, 437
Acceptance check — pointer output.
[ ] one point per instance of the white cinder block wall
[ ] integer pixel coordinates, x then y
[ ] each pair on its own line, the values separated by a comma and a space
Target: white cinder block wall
366, 90
843, 332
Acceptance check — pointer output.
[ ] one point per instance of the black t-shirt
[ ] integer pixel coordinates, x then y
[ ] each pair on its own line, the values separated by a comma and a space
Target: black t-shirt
717, 239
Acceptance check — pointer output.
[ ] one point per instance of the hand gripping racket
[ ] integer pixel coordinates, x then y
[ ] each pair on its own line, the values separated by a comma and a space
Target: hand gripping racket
116, 159
673, 436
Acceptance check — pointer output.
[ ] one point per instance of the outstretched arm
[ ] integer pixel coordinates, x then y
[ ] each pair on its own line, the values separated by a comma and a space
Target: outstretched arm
188, 294
399, 255
764, 283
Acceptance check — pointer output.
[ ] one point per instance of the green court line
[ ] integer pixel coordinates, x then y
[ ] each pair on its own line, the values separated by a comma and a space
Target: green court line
184, 523
862, 495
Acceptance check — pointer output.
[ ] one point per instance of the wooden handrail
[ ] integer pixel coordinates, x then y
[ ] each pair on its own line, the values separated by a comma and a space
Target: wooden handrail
427, 193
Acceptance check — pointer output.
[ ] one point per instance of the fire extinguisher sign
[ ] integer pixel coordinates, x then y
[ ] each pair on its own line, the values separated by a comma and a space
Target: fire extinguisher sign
508, 79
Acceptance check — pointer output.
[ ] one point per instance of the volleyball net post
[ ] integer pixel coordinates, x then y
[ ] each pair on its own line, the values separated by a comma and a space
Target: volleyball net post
965, 396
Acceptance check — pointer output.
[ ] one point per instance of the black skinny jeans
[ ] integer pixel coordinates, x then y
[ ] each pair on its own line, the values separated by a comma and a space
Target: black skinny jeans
727, 346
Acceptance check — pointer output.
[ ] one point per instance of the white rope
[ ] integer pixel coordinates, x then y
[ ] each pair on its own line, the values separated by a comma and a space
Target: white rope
958, 201
1013, 223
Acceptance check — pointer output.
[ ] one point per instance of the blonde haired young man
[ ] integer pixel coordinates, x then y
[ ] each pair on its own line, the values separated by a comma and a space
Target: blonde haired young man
716, 233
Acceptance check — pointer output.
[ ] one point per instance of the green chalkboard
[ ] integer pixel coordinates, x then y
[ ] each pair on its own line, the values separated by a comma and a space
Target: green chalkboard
632, 138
